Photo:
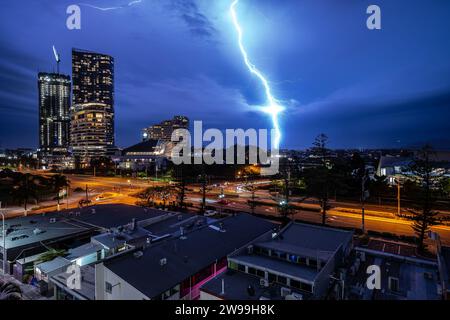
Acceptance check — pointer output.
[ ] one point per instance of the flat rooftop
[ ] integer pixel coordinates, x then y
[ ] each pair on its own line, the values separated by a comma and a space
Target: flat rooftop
173, 223
87, 287
25, 231
236, 287
417, 279
187, 255
308, 240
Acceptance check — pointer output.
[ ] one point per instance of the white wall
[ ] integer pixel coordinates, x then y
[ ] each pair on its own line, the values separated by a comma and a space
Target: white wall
206, 296
121, 289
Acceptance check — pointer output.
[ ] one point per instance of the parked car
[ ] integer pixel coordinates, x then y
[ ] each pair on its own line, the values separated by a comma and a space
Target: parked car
209, 213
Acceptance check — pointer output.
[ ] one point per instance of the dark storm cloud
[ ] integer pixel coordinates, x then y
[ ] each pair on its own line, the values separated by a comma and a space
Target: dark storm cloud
363, 88
189, 12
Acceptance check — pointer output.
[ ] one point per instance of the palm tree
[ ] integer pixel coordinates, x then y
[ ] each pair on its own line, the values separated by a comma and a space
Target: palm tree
51, 255
25, 186
9, 291
58, 182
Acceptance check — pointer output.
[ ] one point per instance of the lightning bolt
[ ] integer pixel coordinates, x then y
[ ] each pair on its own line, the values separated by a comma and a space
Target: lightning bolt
111, 8
273, 108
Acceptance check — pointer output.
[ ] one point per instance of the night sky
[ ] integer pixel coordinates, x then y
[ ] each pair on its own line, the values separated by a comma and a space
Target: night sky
381, 88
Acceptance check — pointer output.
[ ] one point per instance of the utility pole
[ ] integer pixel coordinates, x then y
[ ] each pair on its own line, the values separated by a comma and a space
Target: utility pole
67, 197
363, 198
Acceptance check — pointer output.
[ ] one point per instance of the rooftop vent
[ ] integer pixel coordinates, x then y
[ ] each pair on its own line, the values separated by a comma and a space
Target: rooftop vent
163, 261
38, 231
22, 236
52, 220
138, 254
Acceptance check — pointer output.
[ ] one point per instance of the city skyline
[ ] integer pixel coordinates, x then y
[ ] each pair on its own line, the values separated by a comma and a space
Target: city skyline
363, 88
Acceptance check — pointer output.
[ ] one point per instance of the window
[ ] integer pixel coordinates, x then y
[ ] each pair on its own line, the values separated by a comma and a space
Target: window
271, 277
393, 284
295, 284
283, 256
312, 263
251, 270
241, 267
282, 280
293, 258
232, 265
265, 251
108, 287
260, 273
302, 260
306, 287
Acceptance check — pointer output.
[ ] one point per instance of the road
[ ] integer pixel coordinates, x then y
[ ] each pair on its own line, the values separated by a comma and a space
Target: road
121, 190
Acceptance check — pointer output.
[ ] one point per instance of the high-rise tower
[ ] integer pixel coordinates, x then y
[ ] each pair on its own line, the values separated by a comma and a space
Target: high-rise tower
54, 117
92, 125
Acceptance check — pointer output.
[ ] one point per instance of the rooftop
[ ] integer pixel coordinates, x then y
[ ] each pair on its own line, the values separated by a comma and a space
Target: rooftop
55, 264
187, 255
145, 146
417, 278
308, 240
87, 287
23, 231
236, 286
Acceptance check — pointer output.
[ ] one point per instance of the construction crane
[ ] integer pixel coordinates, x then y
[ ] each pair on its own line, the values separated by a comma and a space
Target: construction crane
57, 58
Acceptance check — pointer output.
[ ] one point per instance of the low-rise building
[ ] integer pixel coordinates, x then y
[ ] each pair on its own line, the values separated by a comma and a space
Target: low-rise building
294, 263
146, 155
402, 276
177, 267
27, 237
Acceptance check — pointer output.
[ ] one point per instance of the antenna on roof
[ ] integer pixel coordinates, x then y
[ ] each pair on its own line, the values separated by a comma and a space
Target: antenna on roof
57, 58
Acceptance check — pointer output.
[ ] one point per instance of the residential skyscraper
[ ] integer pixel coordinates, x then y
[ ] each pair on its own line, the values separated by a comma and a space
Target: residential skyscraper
54, 117
92, 126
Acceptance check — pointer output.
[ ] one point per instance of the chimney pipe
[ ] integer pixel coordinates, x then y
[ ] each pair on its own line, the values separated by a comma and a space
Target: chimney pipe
223, 287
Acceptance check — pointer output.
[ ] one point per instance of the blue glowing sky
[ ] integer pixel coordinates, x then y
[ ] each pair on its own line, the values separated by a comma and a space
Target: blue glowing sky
385, 88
